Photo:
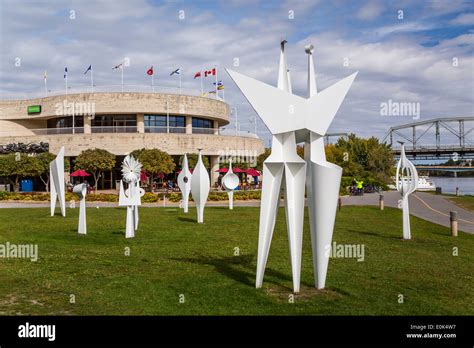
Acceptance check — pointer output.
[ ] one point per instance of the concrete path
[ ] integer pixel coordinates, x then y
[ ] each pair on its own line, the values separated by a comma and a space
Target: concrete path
427, 206
430, 207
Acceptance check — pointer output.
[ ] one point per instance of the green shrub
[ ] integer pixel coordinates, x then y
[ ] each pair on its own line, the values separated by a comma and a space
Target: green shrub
150, 198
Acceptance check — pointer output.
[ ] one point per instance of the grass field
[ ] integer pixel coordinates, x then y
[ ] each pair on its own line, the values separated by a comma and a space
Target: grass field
173, 255
466, 202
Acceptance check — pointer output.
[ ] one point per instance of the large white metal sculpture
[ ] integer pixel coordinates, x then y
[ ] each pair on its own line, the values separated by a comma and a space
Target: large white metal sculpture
230, 181
407, 182
56, 183
200, 186
184, 182
131, 197
81, 190
293, 119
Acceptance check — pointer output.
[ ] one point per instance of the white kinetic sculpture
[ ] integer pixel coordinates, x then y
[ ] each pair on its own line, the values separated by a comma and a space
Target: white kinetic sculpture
230, 181
293, 119
407, 182
131, 198
56, 183
81, 190
184, 182
200, 186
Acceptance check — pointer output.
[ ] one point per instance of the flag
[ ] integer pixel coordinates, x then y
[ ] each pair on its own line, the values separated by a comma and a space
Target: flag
210, 72
45, 76
150, 71
212, 92
198, 74
88, 69
177, 72
65, 72
117, 66
218, 83
221, 87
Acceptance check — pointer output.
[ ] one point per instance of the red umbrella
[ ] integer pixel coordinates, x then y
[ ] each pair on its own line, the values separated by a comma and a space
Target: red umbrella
238, 170
222, 170
253, 172
80, 172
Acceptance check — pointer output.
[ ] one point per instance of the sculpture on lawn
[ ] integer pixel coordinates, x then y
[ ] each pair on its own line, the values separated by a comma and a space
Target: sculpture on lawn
293, 119
230, 181
131, 197
81, 190
56, 183
200, 186
407, 182
184, 182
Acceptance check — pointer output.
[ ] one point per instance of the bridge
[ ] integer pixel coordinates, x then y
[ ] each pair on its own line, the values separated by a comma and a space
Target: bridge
435, 139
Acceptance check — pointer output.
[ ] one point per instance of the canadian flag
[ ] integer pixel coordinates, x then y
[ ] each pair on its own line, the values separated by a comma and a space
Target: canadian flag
198, 74
150, 71
210, 72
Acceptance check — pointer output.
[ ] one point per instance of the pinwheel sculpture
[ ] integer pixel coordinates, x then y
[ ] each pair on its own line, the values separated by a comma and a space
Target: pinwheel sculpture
230, 181
200, 186
56, 183
184, 182
81, 190
293, 119
407, 183
131, 197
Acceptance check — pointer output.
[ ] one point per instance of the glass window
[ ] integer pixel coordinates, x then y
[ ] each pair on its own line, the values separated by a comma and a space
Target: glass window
65, 122
202, 123
158, 124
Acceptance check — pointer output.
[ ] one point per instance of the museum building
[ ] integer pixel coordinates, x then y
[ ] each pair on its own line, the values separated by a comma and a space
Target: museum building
121, 122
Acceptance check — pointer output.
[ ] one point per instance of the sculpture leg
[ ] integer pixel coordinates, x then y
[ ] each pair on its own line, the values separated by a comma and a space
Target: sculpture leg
82, 229
326, 178
295, 174
135, 217
272, 177
231, 199
406, 218
53, 194
130, 228
186, 202
200, 213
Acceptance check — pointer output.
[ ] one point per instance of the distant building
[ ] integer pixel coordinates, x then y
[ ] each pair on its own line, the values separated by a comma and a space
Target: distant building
121, 122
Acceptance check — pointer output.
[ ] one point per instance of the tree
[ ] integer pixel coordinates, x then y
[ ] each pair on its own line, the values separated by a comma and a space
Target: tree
45, 158
262, 157
95, 161
192, 160
154, 161
18, 166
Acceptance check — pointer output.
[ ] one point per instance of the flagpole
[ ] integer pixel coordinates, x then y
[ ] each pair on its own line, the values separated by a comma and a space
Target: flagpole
152, 83
217, 93
45, 84
202, 90
66, 83
180, 82
122, 75
92, 80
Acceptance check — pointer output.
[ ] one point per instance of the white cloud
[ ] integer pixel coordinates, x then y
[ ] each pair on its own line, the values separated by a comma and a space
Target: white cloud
463, 19
370, 11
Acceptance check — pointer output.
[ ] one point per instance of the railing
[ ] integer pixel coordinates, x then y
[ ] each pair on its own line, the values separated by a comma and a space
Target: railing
162, 129
49, 131
107, 88
114, 129
197, 130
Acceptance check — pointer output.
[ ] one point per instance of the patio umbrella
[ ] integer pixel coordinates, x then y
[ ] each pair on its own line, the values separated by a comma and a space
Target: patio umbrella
80, 172
252, 172
238, 170
222, 170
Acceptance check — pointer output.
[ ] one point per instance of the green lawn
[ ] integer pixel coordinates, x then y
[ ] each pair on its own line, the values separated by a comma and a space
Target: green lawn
173, 255
466, 202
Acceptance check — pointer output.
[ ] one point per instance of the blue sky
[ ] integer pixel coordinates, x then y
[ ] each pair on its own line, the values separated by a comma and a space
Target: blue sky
407, 59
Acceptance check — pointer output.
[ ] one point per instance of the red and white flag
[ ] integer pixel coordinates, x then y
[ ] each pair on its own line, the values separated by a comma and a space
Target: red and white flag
150, 71
210, 72
198, 74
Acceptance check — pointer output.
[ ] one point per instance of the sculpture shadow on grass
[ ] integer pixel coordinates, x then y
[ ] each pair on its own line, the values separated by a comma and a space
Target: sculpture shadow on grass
374, 234
240, 268
186, 219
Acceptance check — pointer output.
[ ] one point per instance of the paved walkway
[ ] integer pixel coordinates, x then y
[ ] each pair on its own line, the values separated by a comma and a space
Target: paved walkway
430, 207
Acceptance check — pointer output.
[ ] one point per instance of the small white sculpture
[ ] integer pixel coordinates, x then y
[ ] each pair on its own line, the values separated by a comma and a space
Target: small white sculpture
56, 183
200, 186
293, 119
230, 181
81, 190
407, 182
184, 182
131, 198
